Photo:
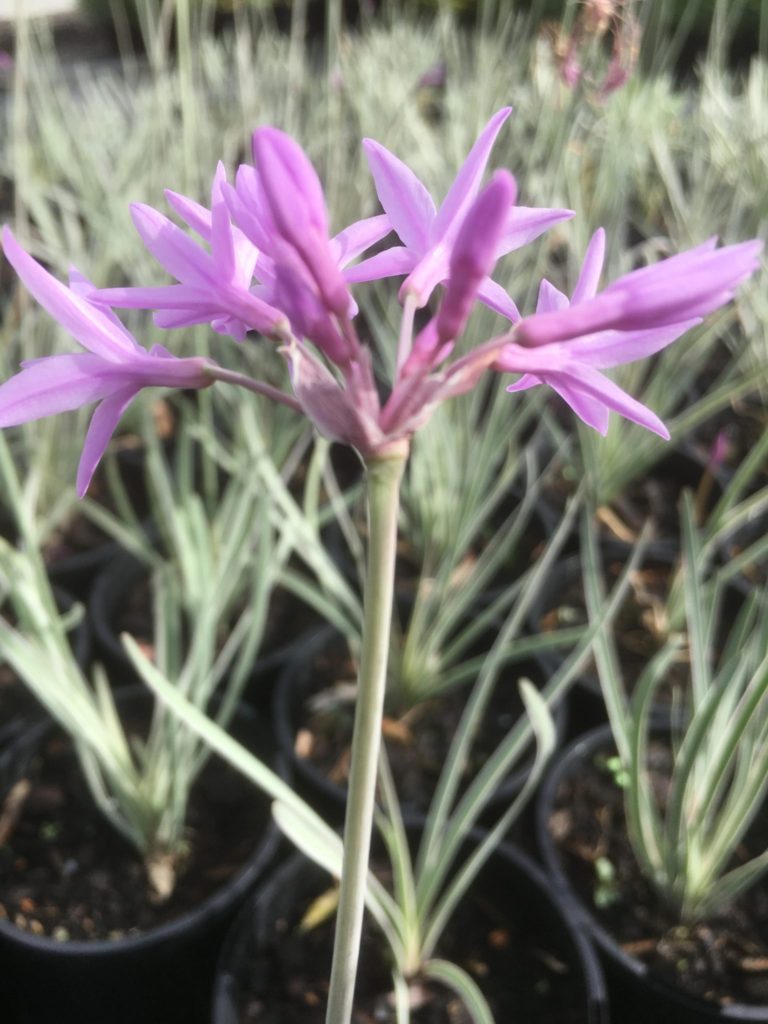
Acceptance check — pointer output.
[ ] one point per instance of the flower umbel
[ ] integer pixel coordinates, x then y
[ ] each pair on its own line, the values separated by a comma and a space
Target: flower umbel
273, 267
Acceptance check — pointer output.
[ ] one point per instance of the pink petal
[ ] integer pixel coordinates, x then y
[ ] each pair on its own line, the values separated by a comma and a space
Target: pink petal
467, 182
358, 237
527, 381
405, 200
391, 263
87, 290
169, 296
526, 223
100, 430
246, 205
85, 321
429, 272
591, 269
589, 409
613, 348
551, 299
495, 297
169, 319
172, 248
193, 214
54, 384
598, 387
222, 242
689, 285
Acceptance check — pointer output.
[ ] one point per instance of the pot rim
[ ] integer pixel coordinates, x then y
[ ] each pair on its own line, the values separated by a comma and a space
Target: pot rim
575, 753
595, 989
296, 678
191, 921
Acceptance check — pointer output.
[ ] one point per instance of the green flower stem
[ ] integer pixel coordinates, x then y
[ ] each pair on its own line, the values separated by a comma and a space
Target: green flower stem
383, 475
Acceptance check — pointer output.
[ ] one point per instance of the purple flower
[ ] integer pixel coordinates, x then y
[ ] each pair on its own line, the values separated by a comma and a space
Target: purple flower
472, 259
214, 287
351, 412
428, 234
295, 215
111, 372
280, 208
565, 344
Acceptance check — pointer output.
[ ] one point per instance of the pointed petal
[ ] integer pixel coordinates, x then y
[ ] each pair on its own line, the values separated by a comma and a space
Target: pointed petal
87, 290
613, 348
589, 409
495, 297
526, 223
596, 386
467, 183
222, 242
430, 271
390, 263
246, 207
173, 249
100, 430
54, 384
168, 296
405, 200
193, 214
527, 381
358, 237
551, 299
85, 321
591, 268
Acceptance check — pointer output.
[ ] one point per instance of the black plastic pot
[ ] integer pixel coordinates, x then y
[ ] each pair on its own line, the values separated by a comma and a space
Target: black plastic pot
637, 993
529, 920
13, 724
162, 976
296, 685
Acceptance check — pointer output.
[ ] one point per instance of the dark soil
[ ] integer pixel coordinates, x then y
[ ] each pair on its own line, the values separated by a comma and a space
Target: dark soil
654, 498
64, 872
417, 742
723, 960
640, 627
522, 973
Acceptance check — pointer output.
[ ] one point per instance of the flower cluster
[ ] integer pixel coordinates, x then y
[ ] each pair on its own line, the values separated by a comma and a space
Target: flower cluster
266, 263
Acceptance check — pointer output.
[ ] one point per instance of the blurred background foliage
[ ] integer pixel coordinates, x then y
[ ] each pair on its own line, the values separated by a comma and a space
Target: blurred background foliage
681, 29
